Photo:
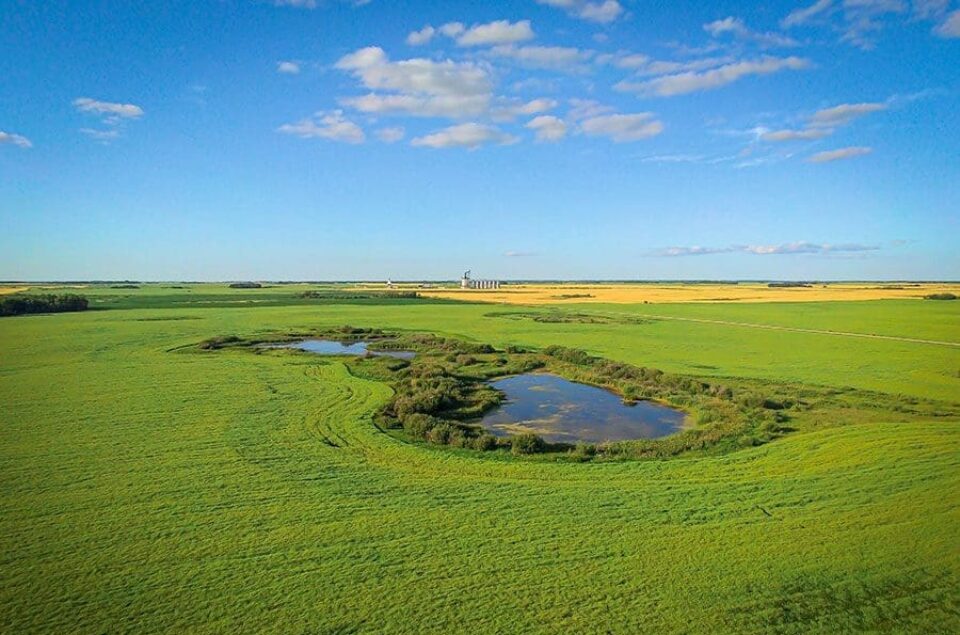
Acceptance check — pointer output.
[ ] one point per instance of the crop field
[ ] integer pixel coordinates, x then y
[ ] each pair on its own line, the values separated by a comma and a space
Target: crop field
148, 486
744, 292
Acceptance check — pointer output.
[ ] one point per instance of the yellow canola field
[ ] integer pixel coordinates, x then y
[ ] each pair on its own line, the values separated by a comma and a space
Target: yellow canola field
674, 292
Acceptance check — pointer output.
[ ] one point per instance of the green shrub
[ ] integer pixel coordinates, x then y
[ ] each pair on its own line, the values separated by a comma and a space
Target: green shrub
484, 442
526, 443
419, 425
441, 433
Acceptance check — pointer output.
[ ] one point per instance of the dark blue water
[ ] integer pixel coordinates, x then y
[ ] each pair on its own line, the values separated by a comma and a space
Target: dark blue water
562, 411
333, 347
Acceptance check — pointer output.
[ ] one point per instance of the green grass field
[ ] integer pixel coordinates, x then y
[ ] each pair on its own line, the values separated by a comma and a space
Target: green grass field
148, 490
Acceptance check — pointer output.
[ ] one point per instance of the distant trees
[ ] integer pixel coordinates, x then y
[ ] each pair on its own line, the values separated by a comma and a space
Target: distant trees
358, 295
27, 304
940, 296
246, 285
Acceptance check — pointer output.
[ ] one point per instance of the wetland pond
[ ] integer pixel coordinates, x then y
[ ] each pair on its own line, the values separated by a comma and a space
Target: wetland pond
333, 347
562, 411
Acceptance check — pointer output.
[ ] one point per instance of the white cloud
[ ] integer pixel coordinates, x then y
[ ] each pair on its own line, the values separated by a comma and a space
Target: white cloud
424, 35
450, 106
452, 29
518, 254
110, 109
330, 125
465, 135
601, 11
418, 86
930, 9
629, 60
689, 82
623, 128
800, 247
651, 67
288, 68
104, 136
417, 75
840, 154
794, 135
737, 28
549, 57
586, 108
950, 26
805, 15
844, 114
497, 32
548, 128
510, 110
862, 20
112, 114
14, 139
391, 135
300, 4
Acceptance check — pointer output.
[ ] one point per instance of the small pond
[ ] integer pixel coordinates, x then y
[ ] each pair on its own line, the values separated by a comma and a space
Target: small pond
333, 347
562, 411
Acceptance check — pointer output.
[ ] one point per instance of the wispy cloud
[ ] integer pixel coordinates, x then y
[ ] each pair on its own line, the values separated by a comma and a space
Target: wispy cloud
107, 108
498, 32
862, 21
794, 135
844, 114
839, 154
8, 138
806, 15
690, 82
548, 128
288, 67
112, 114
300, 4
822, 123
391, 134
465, 135
622, 128
738, 29
519, 254
104, 136
600, 11
561, 58
332, 125
795, 248
950, 27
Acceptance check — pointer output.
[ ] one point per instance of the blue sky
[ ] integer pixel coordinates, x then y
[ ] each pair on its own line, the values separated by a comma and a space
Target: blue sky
295, 139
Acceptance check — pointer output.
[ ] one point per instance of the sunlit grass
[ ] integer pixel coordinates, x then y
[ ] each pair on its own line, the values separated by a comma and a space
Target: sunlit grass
145, 490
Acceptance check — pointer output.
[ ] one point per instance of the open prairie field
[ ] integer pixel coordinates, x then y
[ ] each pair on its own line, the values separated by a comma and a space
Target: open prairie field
148, 486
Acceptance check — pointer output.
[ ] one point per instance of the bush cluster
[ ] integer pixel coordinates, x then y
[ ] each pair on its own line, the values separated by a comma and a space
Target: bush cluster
940, 296
28, 304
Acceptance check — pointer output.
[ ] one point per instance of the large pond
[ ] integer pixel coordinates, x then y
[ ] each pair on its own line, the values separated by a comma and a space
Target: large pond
333, 347
562, 411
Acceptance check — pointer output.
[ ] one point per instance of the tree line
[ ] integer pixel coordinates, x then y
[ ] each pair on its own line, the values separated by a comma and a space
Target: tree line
51, 303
